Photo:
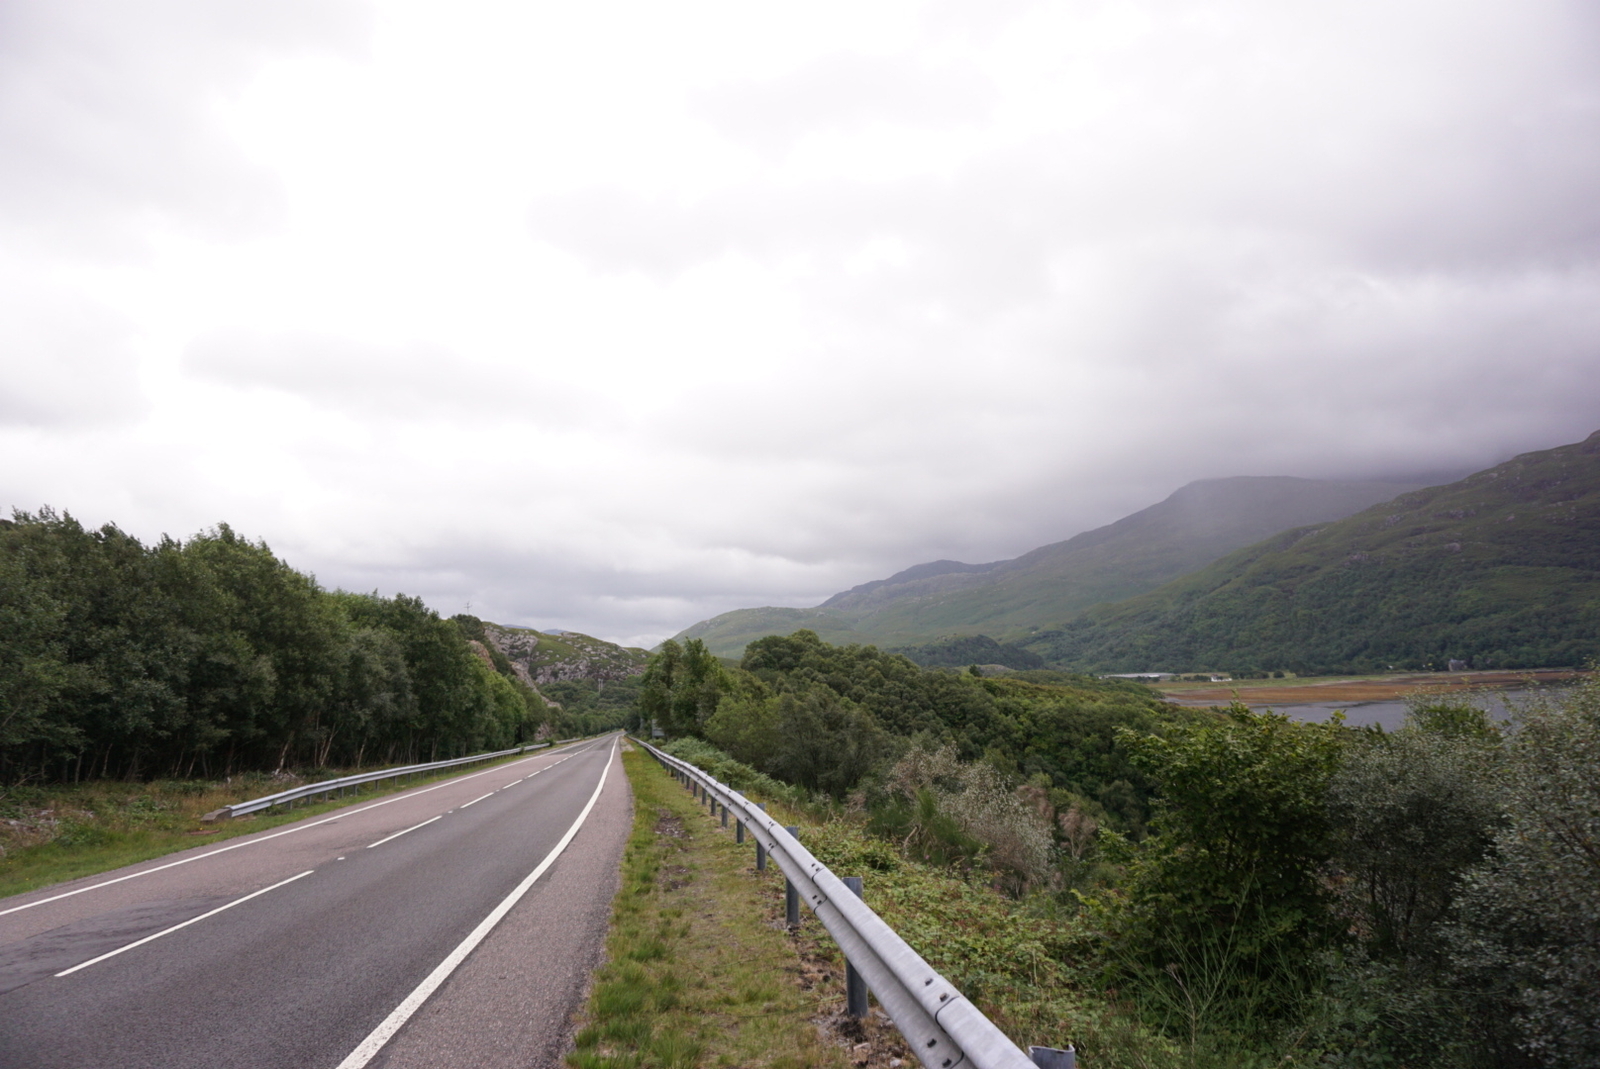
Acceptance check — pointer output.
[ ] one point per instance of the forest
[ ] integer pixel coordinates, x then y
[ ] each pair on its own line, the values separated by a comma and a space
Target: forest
211, 656
1257, 890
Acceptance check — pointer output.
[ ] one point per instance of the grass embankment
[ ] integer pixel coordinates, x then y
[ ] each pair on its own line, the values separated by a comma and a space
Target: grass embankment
59, 832
702, 972
700, 969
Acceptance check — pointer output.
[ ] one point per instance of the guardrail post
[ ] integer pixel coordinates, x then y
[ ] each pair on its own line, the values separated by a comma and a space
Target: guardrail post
1052, 1058
791, 893
855, 988
761, 849
724, 816
738, 831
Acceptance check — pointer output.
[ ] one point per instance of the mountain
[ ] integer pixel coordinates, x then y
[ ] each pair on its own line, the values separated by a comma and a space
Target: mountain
1013, 598
1500, 569
960, 651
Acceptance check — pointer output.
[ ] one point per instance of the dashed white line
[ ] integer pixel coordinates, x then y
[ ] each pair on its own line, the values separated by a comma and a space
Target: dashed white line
287, 831
478, 799
185, 924
397, 834
381, 1035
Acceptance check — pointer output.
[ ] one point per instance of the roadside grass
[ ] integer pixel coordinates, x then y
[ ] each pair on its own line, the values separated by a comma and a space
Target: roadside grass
1024, 964
59, 832
700, 970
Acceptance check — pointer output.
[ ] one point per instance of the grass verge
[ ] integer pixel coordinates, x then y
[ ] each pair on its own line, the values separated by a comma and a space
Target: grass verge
63, 832
1021, 963
700, 969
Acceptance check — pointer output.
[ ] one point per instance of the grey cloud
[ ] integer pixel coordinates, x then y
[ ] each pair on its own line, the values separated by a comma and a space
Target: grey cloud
68, 362
104, 111
406, 381
516, 585
846, 91
1394, 139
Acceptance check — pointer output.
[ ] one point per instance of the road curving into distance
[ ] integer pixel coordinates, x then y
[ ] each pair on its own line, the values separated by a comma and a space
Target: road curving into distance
452, 925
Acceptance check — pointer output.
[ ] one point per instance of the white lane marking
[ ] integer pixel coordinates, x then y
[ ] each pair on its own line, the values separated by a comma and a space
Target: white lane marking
287, 831
397, 834
478, 799
185, 924
384, 1032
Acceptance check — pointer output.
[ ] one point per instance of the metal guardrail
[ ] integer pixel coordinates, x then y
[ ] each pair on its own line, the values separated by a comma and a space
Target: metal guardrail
941, 1025
328, 786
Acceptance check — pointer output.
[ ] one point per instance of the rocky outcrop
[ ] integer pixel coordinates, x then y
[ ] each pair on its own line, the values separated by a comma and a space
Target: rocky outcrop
540, 658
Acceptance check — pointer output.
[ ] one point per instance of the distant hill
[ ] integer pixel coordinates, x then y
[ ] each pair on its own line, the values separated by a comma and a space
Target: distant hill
1014, 598
728, 634
1501, 569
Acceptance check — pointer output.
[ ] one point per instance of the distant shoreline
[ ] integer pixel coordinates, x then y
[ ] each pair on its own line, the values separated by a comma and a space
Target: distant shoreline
1358, 690
1369, 700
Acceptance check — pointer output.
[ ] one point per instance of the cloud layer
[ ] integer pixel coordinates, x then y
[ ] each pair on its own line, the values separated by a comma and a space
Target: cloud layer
615, 316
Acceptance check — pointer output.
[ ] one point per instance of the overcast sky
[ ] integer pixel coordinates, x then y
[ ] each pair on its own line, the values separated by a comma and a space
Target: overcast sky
614, 316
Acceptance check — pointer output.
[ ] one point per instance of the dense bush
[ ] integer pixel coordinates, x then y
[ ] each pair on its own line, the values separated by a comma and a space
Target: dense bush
1527, 943
1411, 813
942, 809
1223, 909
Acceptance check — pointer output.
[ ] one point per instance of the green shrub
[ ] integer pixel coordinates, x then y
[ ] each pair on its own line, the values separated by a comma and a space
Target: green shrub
1224, 908
1528, 941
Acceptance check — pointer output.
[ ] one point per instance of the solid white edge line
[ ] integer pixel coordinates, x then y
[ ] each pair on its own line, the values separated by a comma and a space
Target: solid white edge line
185, 924
287, 831
397, 834
381, 1035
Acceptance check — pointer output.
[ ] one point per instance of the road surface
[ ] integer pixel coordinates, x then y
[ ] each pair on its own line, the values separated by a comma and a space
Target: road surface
451, 925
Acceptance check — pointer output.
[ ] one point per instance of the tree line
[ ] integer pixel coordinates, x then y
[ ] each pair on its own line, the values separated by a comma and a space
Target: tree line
212, 656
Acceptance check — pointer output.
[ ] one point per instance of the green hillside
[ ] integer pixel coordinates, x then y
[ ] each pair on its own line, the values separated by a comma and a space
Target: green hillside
1501, 569
728, 634
1015, 598
960, 651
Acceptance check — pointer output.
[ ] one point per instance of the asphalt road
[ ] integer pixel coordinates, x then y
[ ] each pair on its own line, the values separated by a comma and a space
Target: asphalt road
452, 925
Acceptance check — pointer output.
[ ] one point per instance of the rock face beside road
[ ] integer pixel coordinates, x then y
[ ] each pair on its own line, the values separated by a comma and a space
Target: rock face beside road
537, 657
